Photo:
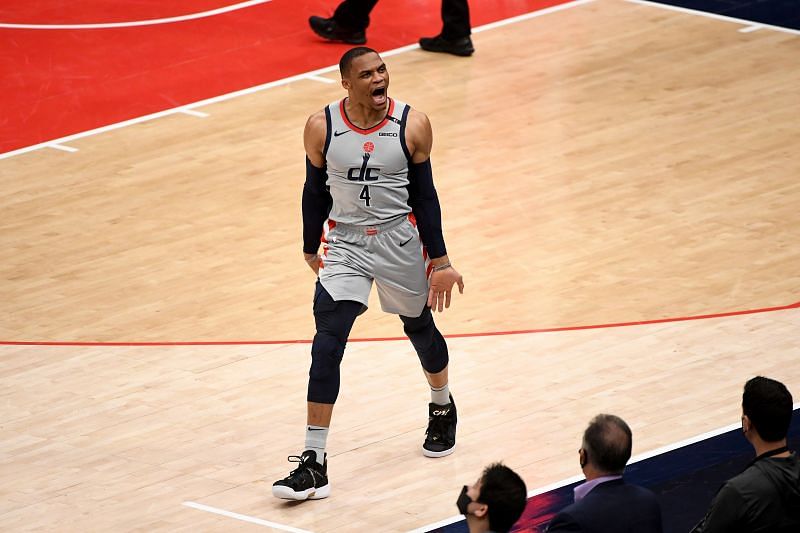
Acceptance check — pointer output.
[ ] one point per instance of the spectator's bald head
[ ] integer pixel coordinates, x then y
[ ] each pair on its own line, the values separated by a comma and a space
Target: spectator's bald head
607, 443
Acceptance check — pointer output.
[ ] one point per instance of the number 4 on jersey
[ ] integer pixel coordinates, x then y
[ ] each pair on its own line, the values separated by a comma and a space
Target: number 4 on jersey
365, 195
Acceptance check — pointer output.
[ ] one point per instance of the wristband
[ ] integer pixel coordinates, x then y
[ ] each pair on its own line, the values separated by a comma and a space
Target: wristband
442, 267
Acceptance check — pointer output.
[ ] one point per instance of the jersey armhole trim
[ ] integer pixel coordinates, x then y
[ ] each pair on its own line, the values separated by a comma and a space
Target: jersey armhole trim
328, 130
403, 120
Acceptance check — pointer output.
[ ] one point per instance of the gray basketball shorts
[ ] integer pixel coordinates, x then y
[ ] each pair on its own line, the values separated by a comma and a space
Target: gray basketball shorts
390, 253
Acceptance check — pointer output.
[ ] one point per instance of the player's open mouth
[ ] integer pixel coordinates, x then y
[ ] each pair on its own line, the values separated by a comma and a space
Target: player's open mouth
379, 95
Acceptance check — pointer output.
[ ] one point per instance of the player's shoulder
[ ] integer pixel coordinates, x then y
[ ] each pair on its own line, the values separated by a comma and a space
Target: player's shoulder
316, 123
418, 122
417, 117
317, 118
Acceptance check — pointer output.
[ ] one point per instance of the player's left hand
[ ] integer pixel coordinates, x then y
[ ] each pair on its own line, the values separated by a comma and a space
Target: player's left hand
313, 261
441, 286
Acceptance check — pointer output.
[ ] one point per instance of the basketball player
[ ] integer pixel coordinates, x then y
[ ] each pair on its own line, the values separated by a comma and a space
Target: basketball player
369, 197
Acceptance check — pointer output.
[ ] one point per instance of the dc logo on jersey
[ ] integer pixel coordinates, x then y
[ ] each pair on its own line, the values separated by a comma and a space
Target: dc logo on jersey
364, 173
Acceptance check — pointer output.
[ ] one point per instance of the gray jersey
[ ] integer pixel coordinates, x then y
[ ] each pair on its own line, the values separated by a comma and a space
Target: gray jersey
367, 169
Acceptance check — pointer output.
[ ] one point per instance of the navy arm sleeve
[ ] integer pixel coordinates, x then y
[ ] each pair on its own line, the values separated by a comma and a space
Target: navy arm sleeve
424, 203
316, 206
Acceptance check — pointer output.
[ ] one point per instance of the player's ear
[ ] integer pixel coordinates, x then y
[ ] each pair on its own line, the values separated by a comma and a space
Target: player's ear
346, 84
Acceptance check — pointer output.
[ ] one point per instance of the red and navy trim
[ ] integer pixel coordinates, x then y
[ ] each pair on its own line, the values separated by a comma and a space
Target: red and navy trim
366, 131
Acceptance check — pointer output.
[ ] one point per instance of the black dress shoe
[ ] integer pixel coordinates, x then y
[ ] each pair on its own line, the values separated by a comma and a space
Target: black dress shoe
331, 30
459, 47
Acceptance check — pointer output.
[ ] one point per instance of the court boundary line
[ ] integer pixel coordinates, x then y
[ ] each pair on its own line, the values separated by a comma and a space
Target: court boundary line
578, 477
261, 87
243, 517
788, 307
689, 11
149, 22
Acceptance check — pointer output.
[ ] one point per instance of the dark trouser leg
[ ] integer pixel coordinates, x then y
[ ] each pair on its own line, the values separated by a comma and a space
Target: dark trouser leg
354, 14
455, 19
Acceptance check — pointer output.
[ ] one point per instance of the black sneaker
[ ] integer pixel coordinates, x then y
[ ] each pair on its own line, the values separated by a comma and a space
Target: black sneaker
309, 481
331, 30
440, 438
458, 47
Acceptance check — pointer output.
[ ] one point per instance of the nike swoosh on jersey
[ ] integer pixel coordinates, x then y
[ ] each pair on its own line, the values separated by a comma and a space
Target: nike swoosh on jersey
337, 133
408, 241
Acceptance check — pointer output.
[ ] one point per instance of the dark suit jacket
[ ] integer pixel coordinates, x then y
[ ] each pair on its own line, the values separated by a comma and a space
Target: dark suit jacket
611, 507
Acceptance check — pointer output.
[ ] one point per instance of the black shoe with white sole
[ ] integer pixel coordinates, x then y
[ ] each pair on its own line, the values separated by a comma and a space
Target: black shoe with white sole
440, 437
309, 481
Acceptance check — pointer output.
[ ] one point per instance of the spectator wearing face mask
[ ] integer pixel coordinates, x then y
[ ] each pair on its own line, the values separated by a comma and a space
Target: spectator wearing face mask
766, 496
494, 502
606, 503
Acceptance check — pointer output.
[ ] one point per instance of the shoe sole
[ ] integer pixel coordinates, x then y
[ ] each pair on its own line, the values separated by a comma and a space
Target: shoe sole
459, 54
443, 453
286, 493
339, 39
346, 41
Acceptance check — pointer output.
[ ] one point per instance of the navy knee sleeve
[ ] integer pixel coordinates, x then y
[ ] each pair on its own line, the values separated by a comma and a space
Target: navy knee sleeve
428, 342
323, 377
334, 321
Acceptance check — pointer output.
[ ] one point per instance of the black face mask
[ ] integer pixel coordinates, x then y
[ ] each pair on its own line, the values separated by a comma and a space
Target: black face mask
463, 501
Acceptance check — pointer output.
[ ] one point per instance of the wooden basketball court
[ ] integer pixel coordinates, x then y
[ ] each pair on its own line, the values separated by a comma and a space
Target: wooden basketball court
607, 163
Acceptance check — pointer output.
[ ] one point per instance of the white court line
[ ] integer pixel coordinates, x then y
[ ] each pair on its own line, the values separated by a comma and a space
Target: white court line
712, 16
105, 25
532, 14
440, 523
250, 90
321, 78
194, 113
751, 28
243, 517
634, 459
62, 147
396, 51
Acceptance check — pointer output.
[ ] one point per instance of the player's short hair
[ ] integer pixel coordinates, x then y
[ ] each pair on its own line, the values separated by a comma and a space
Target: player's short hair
608, 442
768, 405
504, 492
350, 55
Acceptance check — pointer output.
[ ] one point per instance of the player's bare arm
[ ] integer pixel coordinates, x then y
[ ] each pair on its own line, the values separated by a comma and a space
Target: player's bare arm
419, 139
314, 210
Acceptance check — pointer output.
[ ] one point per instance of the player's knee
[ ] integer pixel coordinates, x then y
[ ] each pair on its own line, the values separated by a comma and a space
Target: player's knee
427, 340
421, 327
326, 356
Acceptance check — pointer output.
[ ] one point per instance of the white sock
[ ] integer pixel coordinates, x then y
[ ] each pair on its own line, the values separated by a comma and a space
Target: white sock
316, 438
440, 396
